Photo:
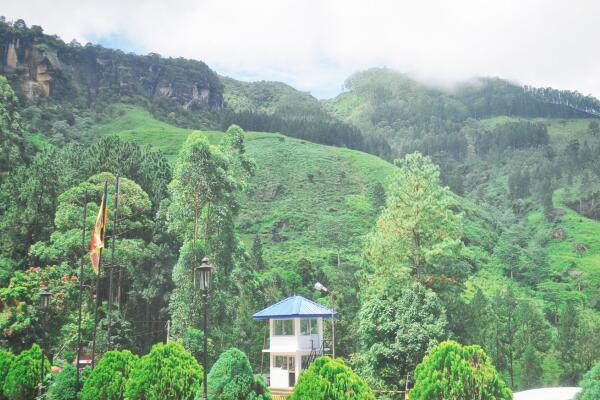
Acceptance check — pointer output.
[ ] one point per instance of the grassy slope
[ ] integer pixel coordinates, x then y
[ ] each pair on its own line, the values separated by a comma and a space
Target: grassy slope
578, 228
561, 252
306, 197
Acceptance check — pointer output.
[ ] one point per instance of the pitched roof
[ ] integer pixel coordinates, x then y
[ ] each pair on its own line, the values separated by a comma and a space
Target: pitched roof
295, 307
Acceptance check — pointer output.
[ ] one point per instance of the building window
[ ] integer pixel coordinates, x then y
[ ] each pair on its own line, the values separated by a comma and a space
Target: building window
308, 326
283, 327
281, 362
285, 362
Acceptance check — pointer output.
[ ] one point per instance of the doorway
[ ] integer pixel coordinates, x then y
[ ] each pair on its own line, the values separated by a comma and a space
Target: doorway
292, 379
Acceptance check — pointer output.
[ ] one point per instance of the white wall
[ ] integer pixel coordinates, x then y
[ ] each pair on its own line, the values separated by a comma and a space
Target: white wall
296, 342
296, 346
280, 377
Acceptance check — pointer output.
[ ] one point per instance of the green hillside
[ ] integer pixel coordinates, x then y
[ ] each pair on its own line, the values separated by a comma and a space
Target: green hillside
268, 97
307, 199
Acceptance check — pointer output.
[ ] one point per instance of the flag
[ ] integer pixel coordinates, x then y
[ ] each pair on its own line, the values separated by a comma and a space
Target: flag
99, 233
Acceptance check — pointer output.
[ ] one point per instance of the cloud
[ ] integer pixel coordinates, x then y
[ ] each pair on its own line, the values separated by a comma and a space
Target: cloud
315, 44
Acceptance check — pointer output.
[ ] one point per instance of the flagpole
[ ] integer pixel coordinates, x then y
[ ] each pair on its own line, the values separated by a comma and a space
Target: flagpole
112, 261
85, 197
98, 290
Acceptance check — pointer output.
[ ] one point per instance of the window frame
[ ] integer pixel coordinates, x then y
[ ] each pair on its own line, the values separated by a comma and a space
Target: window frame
289, 363
282, 321
311, 327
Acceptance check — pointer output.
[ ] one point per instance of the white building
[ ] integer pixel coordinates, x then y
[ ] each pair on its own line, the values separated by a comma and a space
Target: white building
296, 337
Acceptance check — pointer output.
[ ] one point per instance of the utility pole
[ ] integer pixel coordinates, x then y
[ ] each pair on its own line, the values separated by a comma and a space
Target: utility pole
112, 262
83, 221
168, 330
97, 305
332, 325
205, 386
318, 286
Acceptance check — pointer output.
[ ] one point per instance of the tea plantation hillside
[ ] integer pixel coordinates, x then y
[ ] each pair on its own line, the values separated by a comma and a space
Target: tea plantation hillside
307, 200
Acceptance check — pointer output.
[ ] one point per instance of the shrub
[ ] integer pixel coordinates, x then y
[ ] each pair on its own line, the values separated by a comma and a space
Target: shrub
590, 384
64, 386
168, 372
231, 378
330, 379
260, 389
6, 360
451, 371
107, 381
23, 377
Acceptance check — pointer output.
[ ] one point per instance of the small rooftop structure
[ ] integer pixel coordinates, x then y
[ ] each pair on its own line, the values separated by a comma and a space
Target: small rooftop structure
295, 307
295, 338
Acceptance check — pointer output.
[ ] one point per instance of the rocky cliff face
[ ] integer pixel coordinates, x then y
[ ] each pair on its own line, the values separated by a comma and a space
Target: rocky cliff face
43, 66
34, 69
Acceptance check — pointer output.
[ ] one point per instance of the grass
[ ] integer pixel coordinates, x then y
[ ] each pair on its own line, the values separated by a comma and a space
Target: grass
139, 126
308, 198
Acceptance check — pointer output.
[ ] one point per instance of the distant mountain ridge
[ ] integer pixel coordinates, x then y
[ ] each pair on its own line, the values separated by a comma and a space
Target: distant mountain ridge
67, 80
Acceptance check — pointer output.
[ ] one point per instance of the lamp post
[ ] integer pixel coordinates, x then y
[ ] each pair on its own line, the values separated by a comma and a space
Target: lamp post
319, 286
44, 304
202, 281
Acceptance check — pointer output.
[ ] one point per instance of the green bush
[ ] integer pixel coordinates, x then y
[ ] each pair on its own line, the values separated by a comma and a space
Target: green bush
23, 377
107, 381
168, 372
6, 360
590, 384
231, 378
260, 388
330, 379
453, 371
64, 386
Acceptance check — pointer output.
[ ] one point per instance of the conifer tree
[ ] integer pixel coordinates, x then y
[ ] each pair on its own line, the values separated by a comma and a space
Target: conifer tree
451, 371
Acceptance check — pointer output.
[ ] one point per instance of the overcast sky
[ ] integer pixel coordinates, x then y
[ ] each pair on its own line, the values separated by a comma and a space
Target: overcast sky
315, 45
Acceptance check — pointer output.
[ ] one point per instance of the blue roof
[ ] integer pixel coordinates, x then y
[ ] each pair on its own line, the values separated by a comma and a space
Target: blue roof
295, 307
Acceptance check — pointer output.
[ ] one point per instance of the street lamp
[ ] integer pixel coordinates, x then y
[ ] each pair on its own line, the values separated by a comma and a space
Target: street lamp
44, 304
45, 298
202, 281
319, 286
202, 276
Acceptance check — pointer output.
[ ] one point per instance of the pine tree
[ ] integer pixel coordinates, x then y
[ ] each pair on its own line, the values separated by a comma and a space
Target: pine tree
568, 336
257, 253
418, 233
378, 196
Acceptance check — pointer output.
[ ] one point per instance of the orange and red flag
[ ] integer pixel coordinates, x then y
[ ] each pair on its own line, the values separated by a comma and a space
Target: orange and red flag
99, 234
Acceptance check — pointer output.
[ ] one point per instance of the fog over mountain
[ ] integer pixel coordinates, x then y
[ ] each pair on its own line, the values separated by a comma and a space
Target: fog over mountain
315, 45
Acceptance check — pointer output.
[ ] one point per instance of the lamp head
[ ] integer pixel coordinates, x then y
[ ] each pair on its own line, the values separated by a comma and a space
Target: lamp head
319, 286
202, 275
45, 298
